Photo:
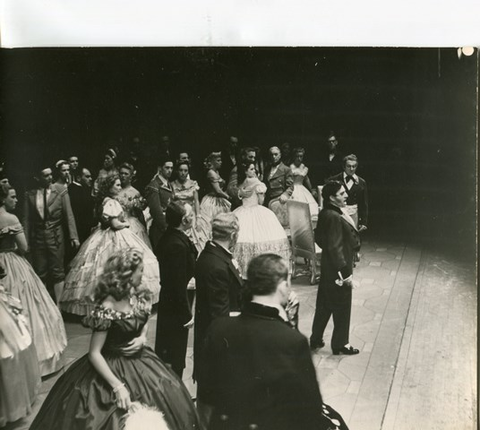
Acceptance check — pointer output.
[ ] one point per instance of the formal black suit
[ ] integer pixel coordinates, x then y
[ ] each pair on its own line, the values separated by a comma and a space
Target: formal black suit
338, 237
259, 374
357, 195
219, 292
176, 255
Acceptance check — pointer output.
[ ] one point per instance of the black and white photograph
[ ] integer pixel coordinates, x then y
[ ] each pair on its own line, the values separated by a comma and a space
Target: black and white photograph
227, 235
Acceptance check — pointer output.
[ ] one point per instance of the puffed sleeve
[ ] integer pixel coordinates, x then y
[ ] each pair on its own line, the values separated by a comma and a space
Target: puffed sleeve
111, 209
100, 319
12, 229
261, 188
195, 185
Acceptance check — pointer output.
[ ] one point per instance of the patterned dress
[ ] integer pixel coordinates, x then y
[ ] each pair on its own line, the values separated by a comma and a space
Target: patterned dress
86, 267
199, 232
82, 399
19, 371
43, 316
133, 205
260, 231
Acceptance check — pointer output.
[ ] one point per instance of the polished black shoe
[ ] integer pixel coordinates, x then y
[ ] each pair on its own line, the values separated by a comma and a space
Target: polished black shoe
317, 345
346, 351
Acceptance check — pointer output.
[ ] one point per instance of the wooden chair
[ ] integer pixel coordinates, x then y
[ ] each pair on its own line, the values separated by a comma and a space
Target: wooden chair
303, 239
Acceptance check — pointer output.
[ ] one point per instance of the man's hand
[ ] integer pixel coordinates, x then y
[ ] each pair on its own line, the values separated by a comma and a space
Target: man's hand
283, 199
362, 227
189, 324
134, 346
75, 243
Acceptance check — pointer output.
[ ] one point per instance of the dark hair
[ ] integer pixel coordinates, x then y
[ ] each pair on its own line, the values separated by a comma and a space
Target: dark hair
242, 171
4, 191
181, 163
175, 213
330, 189
163, 159
297, 150
351, 157
105, 184
264, 273
117, 274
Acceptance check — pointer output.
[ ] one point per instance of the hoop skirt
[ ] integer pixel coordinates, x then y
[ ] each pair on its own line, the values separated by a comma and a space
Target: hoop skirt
44, 318
82, 399
301, 193
260, 231
86, 267
19, 371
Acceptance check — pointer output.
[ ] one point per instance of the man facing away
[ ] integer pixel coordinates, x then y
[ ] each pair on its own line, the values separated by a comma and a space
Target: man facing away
47, 210
258, 371
176, 256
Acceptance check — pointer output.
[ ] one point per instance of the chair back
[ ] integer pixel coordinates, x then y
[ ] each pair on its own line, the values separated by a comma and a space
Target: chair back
301, 231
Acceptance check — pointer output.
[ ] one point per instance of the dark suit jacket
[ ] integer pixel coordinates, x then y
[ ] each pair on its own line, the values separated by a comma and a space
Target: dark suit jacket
158, 196
176, 256
82, 204
339, 241
357, 195
59, 213
280, 183
219, 292
260, 371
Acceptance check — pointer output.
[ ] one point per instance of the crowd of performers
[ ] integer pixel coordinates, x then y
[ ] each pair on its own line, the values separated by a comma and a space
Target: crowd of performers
102, 249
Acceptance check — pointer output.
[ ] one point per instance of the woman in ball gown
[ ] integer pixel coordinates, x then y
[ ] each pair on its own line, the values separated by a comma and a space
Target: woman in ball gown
260, 231
108, 168
186, 190
302, 188
41, 312
19, 371
112, 235
132, 203
99, 388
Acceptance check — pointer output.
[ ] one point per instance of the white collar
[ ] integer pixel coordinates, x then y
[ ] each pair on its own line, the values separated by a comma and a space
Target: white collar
354, 176
282, 313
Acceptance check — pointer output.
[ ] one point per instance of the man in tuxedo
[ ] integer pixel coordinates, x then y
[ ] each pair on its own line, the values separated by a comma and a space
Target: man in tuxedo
327, 162
337, 235
47, 211
258, 370
158, 194
356, 189
82, 203
176, 255
218, 283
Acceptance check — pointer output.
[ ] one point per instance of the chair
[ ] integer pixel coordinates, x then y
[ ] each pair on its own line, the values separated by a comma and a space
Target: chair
303, 240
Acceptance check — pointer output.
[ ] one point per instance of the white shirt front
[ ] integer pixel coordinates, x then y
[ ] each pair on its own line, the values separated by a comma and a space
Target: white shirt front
39, 200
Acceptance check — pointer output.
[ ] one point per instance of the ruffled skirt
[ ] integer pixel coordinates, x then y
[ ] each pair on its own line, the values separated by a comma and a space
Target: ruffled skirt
139, 229
260, 233
87, 266
19, 372
82, 399
43, 316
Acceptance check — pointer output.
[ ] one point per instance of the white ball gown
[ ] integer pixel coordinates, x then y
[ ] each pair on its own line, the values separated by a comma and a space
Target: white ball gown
260, 231
300, 192
43, 316
86, 267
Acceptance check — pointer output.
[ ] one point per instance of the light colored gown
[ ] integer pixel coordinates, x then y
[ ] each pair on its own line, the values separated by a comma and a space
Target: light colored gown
133, 205
260, 231
43, 316
300, 192
86, 267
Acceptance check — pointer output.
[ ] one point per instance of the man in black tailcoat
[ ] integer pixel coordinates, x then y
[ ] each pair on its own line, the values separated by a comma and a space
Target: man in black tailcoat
258, 370
82, 203
337, 235
218, 283
176, 255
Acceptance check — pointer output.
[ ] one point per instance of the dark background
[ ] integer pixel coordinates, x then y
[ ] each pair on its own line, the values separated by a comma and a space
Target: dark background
408, 114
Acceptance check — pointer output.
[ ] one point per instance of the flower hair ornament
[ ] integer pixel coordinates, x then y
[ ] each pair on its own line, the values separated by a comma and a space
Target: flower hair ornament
143, 417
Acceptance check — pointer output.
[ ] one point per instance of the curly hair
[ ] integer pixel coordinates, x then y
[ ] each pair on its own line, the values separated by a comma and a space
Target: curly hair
105, 184
209, 159
116, 278
4, 191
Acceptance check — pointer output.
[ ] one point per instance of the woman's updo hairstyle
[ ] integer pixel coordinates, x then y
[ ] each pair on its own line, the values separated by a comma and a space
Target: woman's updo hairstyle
208, 163
4, 191
117, 274
105, 184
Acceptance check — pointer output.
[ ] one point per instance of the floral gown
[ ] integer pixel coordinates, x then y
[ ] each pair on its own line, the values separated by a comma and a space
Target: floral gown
19, 371
86, 267
82, 399
43, 316
260, 231
133, 204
